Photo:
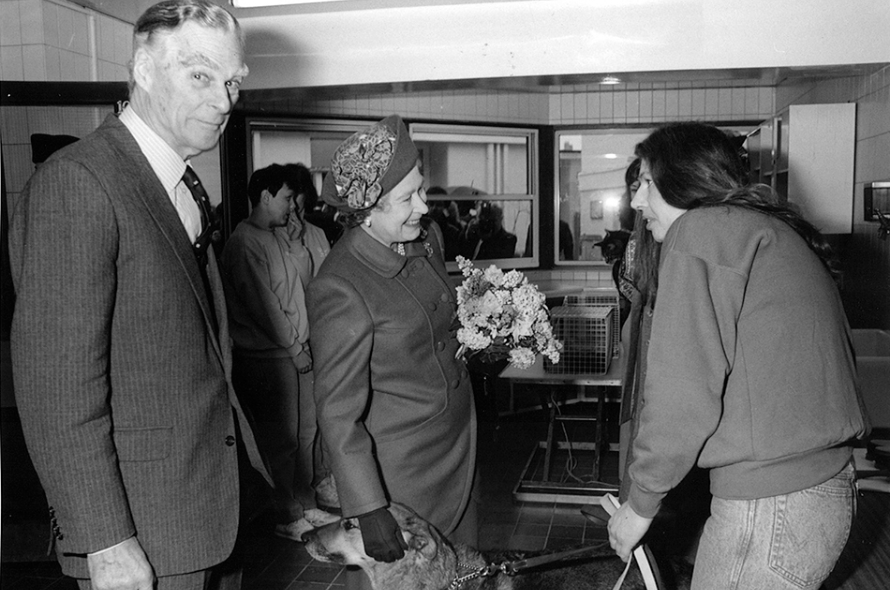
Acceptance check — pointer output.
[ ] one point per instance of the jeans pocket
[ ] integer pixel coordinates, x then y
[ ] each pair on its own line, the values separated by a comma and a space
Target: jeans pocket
810, 530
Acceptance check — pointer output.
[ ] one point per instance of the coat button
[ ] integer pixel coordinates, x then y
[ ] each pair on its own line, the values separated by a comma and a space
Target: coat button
230, 440
440, 346
455, 384
443, 297
432, 305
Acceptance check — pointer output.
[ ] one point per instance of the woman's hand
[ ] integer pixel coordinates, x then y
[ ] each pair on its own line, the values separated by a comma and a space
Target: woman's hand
626, 528
381, 536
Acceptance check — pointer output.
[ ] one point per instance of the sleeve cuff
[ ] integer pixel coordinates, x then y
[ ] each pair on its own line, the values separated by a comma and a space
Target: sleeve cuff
644, 503
101, 551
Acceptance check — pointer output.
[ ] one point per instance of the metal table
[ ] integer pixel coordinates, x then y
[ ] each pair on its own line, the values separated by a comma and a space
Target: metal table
537, 484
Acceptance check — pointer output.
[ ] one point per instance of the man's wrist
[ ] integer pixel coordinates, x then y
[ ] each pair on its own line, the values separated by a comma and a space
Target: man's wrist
101, 551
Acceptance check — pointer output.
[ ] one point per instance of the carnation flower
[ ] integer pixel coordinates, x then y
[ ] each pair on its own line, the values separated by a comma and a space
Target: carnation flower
503, 316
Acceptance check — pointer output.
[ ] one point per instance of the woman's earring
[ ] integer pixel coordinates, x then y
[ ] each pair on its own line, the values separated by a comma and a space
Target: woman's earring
368, 222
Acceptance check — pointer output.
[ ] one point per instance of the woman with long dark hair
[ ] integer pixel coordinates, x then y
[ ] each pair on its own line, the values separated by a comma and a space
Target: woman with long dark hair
749, 372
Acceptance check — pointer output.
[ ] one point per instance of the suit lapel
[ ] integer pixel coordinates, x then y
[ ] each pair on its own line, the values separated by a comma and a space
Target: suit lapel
163, 214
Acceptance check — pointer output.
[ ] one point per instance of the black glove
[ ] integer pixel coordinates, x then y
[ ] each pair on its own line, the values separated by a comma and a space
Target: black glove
381, 536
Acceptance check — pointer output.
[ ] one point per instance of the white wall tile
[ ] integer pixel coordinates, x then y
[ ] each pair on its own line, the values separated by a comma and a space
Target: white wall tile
15, 125
53, 64
11, 63
712, 102
34, 63
10, 23
580, 107
737, 104
51, 24
66, 29
31, 15
593, 107
684, 103
554, 105
672, 105
123, 43
567, 107
659, 104
752, 97
80, 25
698, 104
632, 105
105, 49
766, 101
881, 170
105, 71
619, 107
607, 107
68, 66
724, 102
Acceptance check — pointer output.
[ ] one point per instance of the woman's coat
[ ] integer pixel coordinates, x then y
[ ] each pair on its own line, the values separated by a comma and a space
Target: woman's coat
395, 407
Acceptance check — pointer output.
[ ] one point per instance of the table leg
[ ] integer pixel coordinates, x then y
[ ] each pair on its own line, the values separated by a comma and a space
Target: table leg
600, 434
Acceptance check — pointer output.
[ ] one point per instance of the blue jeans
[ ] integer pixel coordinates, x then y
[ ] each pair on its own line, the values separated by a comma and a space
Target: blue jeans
783, 542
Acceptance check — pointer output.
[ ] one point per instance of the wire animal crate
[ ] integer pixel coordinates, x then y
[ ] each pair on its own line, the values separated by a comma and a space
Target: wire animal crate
599, 297
586, 336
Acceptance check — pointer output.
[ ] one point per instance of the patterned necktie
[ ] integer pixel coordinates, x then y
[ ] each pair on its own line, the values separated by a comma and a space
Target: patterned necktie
208, 229
208, 222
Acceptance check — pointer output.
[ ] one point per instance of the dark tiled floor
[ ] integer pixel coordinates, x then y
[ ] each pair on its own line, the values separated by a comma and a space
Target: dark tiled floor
277, 564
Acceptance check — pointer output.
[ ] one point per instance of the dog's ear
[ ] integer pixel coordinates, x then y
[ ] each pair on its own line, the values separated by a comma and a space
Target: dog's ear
423, 544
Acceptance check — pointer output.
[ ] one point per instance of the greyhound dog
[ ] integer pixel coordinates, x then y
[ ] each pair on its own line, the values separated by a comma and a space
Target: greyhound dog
431, 562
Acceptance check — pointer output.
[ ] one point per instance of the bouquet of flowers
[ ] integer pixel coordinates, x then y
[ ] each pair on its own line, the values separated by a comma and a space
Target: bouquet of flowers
503, 316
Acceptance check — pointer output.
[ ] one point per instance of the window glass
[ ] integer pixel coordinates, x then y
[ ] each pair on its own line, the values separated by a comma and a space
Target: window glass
482, 190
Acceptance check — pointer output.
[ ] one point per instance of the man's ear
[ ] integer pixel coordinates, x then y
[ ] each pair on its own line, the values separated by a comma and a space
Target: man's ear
143, 69
266, 196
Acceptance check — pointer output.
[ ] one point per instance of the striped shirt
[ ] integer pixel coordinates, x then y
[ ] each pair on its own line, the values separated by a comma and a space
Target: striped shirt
168, 167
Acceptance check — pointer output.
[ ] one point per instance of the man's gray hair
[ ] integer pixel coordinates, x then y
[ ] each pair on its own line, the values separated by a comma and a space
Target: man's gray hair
169, 15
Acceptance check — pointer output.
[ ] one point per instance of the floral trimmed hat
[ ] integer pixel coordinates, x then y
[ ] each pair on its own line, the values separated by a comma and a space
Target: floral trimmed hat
369, 164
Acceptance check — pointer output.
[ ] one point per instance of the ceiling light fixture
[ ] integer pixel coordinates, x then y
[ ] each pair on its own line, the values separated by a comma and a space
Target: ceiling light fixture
610, 80
264, 3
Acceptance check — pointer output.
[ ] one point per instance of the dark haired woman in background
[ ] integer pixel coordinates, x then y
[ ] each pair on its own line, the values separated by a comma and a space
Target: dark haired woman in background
750, 372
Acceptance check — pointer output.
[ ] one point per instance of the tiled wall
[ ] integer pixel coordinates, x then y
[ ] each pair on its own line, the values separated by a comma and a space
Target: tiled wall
45, 41
659, 102
520, 108
18, 123
590, 104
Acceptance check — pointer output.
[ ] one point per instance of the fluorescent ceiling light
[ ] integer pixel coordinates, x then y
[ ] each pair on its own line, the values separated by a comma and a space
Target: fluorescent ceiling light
261, 3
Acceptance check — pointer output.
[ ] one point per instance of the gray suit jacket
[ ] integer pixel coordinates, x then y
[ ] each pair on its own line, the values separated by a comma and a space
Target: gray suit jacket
121, 381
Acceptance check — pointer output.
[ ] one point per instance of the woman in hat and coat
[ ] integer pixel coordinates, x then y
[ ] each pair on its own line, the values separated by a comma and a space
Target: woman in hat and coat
395, 406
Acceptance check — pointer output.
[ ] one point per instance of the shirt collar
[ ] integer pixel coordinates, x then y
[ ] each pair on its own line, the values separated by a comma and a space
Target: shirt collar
165, 162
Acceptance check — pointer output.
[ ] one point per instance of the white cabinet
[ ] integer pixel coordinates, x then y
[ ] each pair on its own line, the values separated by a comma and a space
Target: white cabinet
821, 140
806, 153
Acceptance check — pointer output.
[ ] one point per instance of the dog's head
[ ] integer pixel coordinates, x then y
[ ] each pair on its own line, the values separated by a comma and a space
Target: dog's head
428, 561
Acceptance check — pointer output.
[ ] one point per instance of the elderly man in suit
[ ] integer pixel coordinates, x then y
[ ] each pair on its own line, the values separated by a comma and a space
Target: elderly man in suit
121, 354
